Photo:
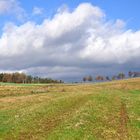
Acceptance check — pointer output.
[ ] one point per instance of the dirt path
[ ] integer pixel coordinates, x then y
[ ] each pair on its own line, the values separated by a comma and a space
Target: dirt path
123, 131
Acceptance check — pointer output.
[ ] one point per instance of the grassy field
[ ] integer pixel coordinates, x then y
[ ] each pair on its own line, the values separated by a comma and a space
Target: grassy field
106, 111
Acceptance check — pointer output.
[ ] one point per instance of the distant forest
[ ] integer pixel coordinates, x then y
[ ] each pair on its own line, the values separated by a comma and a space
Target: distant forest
114, 77
23, 78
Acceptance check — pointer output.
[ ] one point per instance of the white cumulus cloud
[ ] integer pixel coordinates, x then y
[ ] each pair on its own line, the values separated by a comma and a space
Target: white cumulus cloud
81, 40
37, 11
12, 7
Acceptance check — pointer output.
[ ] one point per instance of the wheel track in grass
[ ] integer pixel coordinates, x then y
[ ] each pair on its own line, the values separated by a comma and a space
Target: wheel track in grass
123, 130
46, 125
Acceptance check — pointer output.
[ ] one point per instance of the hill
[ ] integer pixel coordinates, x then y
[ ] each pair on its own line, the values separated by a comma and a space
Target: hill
108, 111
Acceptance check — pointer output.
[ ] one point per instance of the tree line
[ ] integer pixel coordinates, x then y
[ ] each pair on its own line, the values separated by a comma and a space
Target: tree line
114, 77
23, 78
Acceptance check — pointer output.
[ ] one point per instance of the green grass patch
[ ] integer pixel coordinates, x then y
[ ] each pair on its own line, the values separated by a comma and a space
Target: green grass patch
71, 112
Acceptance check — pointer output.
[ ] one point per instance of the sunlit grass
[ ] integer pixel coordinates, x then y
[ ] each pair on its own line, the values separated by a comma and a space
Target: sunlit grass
108, 111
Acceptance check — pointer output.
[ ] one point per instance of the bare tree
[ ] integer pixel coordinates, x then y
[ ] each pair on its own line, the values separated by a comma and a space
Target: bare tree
121, 76
84, 79
90, 78
130, 74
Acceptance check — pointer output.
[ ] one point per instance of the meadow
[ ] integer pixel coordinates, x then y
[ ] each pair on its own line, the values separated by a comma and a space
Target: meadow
96, 111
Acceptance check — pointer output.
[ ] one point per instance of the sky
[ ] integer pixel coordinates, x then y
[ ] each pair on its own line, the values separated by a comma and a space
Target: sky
65, 39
